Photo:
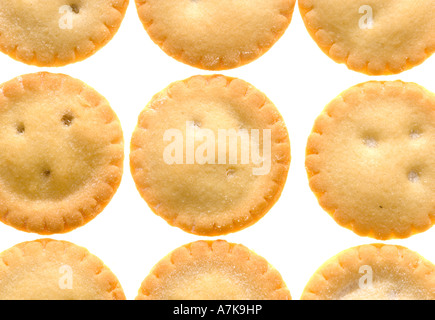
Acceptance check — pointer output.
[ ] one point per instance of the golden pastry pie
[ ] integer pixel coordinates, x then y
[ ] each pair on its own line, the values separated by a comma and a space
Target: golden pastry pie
57, 32
215, 34
55, 270
210, 154
373, 272
213, 270
371, 36
62, 153
371, 159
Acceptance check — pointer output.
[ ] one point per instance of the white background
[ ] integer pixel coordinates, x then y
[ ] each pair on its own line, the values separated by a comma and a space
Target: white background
296, 236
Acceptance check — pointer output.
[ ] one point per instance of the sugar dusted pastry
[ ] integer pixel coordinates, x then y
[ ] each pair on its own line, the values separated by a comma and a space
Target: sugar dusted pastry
62, 153
57, 32
371, 36
210, 154
373, 272
215, 34
371, 159
213, 270
48, 269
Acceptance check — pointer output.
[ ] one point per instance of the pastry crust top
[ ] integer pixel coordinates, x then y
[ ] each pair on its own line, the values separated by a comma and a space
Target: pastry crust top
209, 198
48, 269
215, 34
213, 270
373, 272
62, 153
402, 33
57, 32
371, 159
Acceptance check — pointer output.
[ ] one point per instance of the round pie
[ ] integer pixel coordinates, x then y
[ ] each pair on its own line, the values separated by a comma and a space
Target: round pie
62, 153
210, 154
373, 272
213, 270
371, 159
57, 32
48, 269
372, 37
215, 34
